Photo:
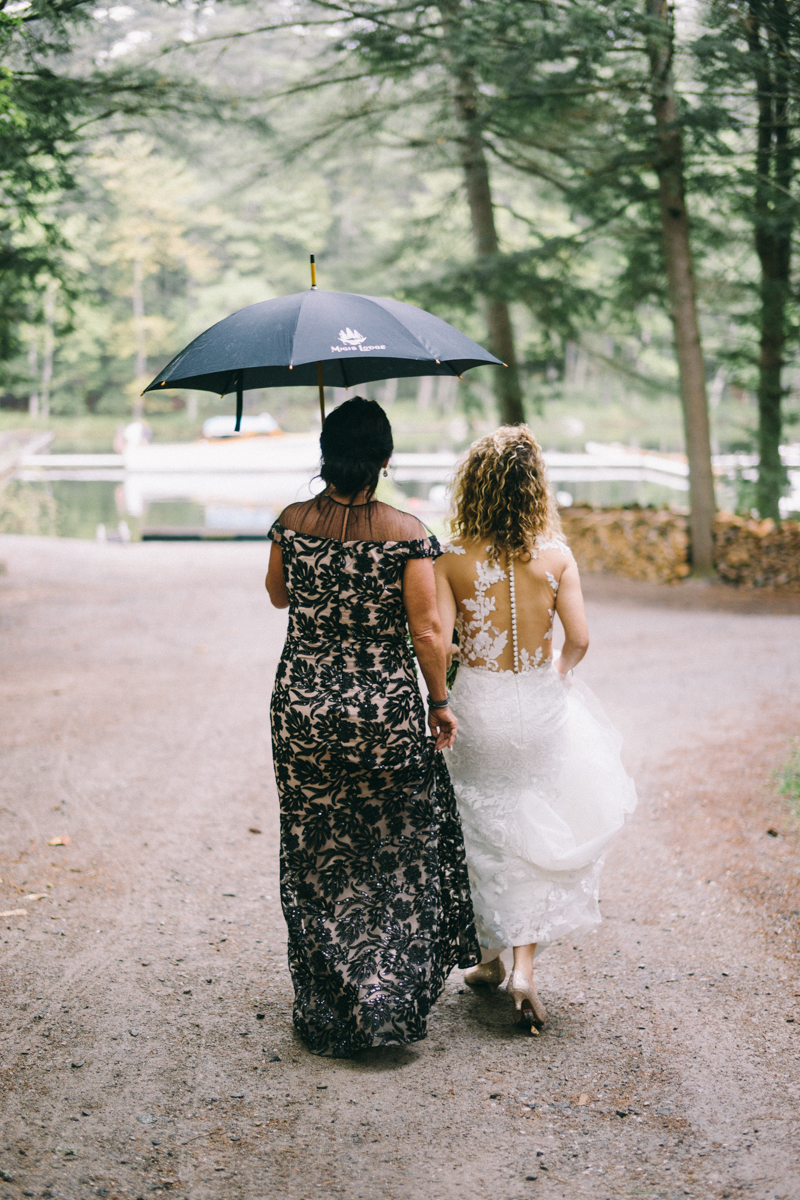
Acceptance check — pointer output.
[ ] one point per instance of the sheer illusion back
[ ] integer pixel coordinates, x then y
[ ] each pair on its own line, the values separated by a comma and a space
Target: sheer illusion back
506, 609
372, 522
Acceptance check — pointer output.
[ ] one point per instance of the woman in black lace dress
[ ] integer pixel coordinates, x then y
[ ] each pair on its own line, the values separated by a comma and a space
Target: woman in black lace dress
374, 882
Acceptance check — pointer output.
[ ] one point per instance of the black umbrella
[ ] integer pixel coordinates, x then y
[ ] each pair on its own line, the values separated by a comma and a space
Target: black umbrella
335, 338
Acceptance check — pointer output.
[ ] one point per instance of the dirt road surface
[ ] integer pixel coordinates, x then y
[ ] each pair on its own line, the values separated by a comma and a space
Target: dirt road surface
146, 1042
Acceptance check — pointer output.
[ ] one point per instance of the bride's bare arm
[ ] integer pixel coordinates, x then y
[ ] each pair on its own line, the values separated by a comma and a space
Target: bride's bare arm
425, 627
569, 606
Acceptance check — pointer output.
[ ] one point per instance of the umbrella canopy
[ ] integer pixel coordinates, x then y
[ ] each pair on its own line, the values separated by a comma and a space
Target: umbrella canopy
350, 339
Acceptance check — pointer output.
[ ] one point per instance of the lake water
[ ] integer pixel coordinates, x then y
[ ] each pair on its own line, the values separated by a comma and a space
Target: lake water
75, 508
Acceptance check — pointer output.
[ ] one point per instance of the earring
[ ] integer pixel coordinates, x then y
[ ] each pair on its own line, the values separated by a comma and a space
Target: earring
385, 473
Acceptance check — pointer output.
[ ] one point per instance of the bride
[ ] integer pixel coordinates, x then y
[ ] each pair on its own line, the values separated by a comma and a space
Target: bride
536, 768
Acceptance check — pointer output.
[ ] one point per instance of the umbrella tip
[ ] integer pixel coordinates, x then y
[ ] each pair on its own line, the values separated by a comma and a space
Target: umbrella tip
313, 272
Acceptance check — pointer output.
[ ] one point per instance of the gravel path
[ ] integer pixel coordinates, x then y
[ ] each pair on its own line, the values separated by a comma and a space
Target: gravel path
146, 1044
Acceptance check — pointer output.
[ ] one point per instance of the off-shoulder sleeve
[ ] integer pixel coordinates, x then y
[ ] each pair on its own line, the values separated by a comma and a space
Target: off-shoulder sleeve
276, 533
424, 548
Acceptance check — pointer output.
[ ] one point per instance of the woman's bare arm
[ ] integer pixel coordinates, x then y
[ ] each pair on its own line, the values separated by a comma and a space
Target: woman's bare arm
447, 606
419, 598
569, 606
275, 582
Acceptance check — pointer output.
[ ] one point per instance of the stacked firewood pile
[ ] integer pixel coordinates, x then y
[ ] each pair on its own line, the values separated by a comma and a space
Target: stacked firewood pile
637, 543
756, 553
653, 543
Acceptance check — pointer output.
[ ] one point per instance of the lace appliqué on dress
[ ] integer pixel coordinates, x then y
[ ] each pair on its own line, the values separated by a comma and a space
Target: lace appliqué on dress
478, 637
552, 543
551, 579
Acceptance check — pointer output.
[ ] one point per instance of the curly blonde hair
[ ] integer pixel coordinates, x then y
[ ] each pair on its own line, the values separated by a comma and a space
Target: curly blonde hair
502, 493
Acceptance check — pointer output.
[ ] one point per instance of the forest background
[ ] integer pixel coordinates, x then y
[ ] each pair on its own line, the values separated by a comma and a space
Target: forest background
164, 165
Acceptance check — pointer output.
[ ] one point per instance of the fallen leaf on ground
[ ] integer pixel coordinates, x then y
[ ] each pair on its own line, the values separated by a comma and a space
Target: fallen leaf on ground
60, 841
14, 912
584, 1098
35, 896
253, 829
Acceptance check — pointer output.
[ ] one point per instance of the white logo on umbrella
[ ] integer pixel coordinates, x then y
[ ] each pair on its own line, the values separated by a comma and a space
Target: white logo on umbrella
351, 337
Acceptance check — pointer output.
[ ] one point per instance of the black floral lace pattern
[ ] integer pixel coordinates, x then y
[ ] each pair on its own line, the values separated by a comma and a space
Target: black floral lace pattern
374, 882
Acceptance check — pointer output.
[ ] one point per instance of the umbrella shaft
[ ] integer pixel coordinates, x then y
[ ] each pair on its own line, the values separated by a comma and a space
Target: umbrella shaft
321, 393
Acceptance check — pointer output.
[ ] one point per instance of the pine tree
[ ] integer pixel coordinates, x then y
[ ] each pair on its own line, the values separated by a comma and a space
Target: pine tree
668, 163
581, 98
751, 64
50, 98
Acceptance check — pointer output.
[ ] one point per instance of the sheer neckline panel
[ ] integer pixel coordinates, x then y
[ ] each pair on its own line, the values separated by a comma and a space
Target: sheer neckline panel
372, 522
357, 541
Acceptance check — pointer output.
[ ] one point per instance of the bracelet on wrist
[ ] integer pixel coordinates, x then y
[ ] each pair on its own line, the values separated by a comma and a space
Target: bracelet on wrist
439, 703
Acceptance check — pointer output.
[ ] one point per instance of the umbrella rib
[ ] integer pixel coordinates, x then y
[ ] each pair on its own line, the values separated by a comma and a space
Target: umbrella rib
296, 325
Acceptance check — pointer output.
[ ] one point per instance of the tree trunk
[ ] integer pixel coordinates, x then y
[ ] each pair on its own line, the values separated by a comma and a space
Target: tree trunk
678, 255
139, 331
479, 197
33, 367
48, 349
773, 237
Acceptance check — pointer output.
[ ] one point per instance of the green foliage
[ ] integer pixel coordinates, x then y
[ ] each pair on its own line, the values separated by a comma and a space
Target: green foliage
344, 140
537, 97
560, 96
26, 510
53, 98
788, 780
750, 66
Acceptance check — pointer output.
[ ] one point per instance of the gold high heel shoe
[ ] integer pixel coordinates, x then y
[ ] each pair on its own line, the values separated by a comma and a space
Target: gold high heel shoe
527, 1005
488, 974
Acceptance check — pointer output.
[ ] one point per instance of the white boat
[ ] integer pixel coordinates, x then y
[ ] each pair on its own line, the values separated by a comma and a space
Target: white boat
277, 452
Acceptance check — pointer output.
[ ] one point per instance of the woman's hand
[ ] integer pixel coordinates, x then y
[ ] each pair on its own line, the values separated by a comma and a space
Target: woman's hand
453, 654
443, 725
565, 677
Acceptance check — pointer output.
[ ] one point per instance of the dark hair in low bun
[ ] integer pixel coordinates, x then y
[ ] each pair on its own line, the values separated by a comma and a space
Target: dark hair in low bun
356, 440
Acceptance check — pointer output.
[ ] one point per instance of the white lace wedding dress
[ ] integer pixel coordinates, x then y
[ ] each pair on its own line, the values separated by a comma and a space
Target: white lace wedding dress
536, 770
